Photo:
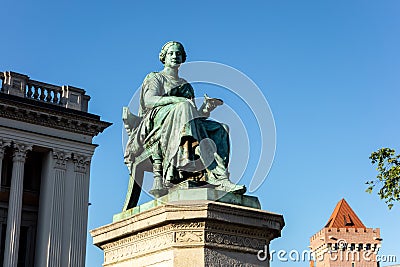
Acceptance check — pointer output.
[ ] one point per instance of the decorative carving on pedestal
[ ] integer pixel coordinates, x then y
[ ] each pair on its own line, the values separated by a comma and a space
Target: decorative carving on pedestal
188, 237
215, 258
232, 240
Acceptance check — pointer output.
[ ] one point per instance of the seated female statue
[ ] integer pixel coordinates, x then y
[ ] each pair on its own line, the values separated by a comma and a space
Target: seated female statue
185, 143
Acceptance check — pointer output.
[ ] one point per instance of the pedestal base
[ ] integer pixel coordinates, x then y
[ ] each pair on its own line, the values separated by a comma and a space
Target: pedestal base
189, 233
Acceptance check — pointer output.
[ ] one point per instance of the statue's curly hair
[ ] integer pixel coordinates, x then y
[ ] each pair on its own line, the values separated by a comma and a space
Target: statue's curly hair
165, 47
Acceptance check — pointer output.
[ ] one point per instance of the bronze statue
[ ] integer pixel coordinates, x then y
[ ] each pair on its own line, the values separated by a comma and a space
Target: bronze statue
171, 137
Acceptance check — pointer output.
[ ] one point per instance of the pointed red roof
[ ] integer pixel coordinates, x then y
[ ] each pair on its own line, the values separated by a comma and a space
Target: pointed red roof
344, 217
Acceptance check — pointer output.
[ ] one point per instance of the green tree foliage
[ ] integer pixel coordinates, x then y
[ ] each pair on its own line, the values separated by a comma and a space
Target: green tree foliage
388, 178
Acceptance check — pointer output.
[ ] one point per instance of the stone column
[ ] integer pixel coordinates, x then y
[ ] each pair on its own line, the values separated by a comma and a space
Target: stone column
80, 206
60, 159
3, 145
15, 206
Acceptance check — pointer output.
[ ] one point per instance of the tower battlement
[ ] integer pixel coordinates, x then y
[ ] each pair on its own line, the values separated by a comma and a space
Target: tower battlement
346, 235
331, 231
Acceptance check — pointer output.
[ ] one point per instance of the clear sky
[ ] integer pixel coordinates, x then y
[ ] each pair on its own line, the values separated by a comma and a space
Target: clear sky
329, 70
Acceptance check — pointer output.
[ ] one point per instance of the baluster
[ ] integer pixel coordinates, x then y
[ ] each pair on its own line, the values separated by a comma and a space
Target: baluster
48, 97
36, 94
29, 93
55, 98
42, 96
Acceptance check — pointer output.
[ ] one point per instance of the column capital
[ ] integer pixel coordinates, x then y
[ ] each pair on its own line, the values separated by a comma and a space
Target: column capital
60, 159
20, 151
81, 163
3, 145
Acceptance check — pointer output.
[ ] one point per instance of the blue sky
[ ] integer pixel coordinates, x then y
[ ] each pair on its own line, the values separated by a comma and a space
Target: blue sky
329, 70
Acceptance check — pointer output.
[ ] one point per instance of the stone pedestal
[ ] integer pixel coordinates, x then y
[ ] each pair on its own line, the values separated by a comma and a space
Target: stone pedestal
189, 233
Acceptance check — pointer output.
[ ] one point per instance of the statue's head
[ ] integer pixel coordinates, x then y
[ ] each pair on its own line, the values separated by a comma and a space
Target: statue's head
165, 48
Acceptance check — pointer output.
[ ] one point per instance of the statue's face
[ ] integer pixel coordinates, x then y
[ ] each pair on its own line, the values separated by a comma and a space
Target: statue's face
173, 58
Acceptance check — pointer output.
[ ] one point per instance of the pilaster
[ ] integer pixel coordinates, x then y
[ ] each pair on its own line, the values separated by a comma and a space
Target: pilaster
60, 159
15, 205
80, 206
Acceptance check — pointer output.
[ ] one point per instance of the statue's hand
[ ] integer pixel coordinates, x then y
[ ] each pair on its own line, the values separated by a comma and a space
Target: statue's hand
210, 104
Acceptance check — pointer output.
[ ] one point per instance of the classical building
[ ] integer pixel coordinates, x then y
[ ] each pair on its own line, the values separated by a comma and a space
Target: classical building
345, 241
45, 151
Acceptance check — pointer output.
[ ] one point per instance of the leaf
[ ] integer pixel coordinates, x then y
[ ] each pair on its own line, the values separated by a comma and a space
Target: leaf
388, 177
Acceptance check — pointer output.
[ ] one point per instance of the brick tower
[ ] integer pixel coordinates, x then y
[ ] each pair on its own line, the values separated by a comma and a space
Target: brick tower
345, 241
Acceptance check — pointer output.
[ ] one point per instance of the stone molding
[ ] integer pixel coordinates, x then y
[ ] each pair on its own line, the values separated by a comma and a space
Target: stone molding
44, 114
194, 209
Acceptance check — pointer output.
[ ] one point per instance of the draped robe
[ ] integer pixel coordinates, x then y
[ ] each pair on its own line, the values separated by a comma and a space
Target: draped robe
165, 127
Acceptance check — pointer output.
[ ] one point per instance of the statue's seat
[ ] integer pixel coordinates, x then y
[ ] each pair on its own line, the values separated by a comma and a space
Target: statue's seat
148, 161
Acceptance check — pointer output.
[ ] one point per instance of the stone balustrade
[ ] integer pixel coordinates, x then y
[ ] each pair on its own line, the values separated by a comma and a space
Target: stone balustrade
44, 92
21, 85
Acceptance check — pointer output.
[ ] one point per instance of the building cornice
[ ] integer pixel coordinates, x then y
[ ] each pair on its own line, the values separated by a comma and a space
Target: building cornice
50, 115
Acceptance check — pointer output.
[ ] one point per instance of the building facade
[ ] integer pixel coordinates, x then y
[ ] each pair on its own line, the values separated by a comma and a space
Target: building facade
345, 241
45, 152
